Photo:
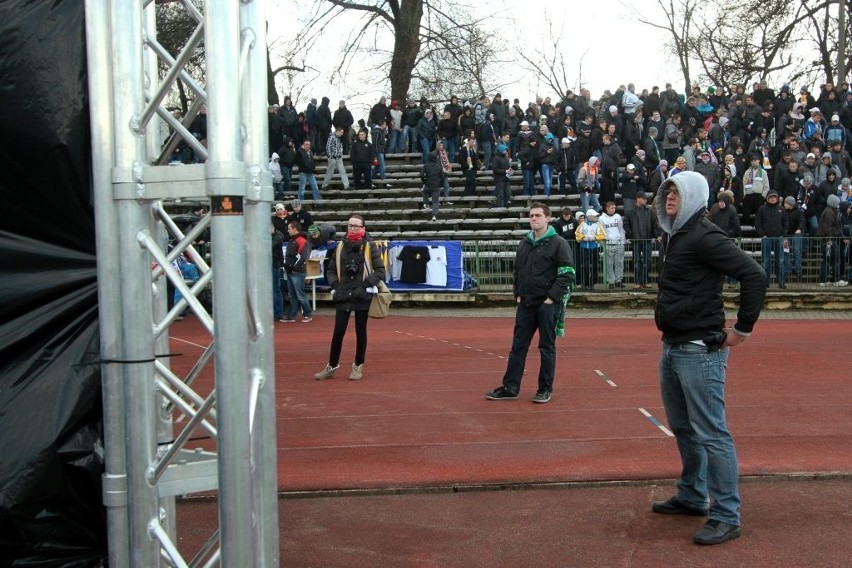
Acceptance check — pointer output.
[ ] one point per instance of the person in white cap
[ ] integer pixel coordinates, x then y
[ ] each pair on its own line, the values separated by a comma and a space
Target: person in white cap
590, 235
835, 133
815, 127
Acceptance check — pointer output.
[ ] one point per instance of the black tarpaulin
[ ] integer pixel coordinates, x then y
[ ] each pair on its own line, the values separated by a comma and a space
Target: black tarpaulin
51, 449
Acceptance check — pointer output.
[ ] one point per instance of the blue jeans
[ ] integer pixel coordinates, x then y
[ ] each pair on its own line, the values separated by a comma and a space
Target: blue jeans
452, 150
308, 179
547, 177
425, 148
393, 140
379, 170
793, 259
298, 296
277, 295
589, 200
286, 179
409, 139
768, 245
529, 181
692, 383
487, 149
527, 321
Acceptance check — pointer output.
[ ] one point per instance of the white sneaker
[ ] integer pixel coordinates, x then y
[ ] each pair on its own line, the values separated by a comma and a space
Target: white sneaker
823, 284
326, 373
357, 372
841, 283
434, 218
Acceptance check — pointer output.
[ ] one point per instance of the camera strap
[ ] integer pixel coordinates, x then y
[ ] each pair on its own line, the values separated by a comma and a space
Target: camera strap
368, 263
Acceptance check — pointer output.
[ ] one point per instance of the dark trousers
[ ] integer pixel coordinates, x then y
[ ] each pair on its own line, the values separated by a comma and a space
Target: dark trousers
470, 182
361, 171
502, 192
341, 322
527, 321
751, 203
589, 266
641, 261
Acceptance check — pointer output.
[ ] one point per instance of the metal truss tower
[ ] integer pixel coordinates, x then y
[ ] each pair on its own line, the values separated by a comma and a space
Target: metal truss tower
151, 412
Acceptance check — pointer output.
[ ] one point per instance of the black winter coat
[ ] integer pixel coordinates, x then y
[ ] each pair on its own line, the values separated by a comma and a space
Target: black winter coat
536, 275
695, 262
350, 287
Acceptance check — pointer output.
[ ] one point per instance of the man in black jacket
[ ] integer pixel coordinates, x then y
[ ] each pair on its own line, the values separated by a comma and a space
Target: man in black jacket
771, 226
640, 228
323, 125
343, 119
690, 314
544, 271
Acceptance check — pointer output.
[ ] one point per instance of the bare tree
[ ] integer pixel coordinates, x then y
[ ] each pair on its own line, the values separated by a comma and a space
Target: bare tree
548, 61
415, 25
445, 70
175, 27
678, 19
739, 41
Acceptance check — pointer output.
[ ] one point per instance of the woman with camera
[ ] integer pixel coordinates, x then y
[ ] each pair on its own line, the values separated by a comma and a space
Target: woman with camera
353, 274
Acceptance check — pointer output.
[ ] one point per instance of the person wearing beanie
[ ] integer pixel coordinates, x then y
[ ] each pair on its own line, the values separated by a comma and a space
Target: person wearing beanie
321, 236
795, 223
588, 182
724, 214
825, 189
833, 264
590, 235
771, 226
344, 120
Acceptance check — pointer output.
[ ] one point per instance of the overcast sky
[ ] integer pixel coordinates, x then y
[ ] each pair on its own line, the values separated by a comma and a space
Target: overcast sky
617, 48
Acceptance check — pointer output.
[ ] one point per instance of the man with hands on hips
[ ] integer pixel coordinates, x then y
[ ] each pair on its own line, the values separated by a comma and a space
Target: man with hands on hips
697, 256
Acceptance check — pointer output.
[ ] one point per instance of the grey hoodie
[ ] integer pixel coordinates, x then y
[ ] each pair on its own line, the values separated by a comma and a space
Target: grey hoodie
694, 194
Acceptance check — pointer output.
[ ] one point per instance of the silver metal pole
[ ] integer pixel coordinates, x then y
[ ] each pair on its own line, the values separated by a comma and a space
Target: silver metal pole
226, 186
261, 351
137, 354
109, 287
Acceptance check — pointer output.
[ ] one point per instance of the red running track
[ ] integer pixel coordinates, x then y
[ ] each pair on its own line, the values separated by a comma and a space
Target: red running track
419, 418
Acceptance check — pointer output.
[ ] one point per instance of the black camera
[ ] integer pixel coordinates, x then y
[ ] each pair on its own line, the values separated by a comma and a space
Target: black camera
351, 268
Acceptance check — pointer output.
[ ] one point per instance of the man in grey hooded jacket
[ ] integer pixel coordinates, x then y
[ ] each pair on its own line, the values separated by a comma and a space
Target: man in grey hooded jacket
697, 256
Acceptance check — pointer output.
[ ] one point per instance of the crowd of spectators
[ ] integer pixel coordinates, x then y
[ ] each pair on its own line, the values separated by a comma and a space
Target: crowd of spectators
746, 143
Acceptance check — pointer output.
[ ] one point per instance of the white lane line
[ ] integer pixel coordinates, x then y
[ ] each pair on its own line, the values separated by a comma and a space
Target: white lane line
609, 381
656, 423
188, 342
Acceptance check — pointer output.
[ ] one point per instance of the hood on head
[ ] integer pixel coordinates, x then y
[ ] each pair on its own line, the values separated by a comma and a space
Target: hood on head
694, 193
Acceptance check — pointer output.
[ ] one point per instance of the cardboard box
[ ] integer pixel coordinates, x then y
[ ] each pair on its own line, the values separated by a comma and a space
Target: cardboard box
313, 268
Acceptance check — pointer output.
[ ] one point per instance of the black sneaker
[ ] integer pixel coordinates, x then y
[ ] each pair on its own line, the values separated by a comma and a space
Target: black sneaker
541, 397
716, 532
501, 393
675, 507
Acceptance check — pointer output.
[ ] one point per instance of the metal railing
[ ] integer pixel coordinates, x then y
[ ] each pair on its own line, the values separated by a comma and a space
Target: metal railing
808, 264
